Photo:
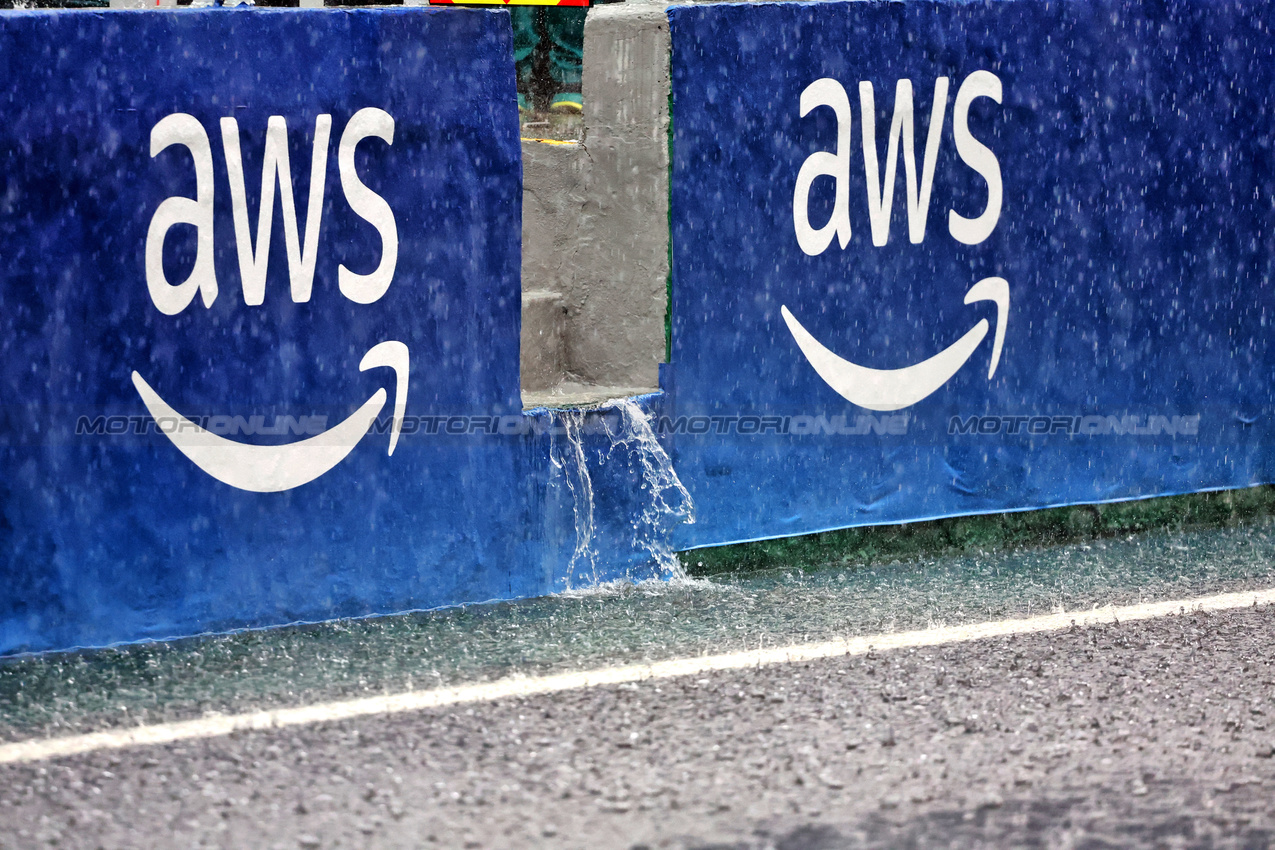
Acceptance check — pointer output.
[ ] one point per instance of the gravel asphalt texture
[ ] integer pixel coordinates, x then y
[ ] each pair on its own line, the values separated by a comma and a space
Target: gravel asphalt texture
60, 694
1156, 733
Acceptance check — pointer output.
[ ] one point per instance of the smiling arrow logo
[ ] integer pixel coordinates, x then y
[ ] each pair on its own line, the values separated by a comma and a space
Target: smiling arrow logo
259, 468
892, 389
272, 469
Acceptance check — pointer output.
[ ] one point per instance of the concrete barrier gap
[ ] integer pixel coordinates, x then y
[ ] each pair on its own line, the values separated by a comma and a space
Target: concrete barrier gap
595, 222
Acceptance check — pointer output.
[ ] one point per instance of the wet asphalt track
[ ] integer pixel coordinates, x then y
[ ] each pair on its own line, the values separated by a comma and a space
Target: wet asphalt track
1156, 733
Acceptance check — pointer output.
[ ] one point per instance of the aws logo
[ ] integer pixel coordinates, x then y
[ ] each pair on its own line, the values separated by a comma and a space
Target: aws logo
892, 389
258, 468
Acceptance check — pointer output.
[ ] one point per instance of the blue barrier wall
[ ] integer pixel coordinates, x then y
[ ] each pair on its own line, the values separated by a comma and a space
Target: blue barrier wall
1046, 281
1097, 234
206, 428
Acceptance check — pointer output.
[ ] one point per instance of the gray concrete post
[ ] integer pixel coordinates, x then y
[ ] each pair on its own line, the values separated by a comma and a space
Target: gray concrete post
615, 318
595, 216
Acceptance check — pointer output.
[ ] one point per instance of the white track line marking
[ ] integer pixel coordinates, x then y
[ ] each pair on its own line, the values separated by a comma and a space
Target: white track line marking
521, 686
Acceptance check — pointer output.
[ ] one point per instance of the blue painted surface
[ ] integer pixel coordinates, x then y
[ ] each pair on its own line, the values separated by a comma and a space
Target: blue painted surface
1134, 147
110, 536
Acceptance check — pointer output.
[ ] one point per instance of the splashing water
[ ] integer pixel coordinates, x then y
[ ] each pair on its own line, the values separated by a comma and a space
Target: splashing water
576, 472
666, 498
660, 479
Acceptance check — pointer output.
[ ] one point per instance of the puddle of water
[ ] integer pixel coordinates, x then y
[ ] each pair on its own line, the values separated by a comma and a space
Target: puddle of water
621, 622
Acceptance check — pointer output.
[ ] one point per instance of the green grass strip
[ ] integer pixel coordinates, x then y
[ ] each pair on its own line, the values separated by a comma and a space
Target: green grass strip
867, 545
